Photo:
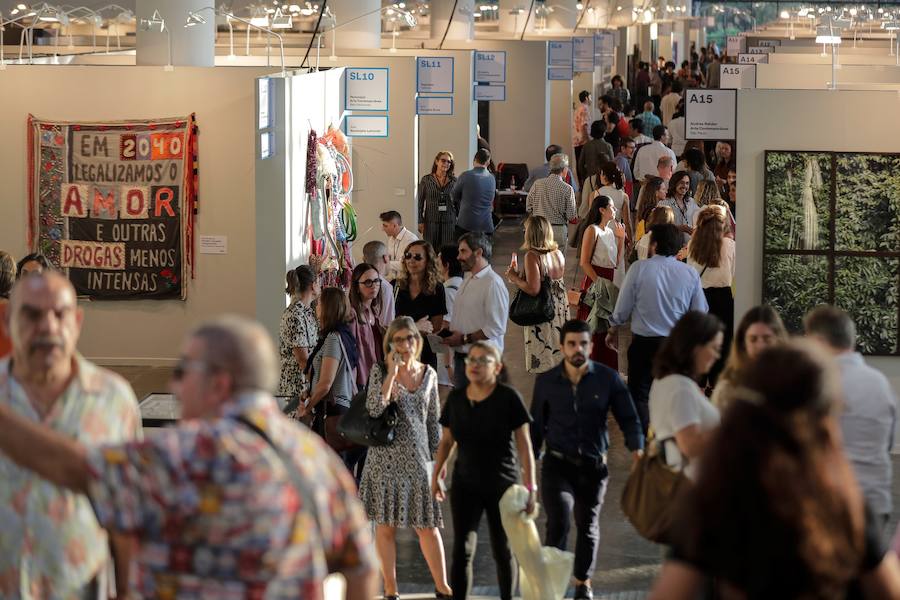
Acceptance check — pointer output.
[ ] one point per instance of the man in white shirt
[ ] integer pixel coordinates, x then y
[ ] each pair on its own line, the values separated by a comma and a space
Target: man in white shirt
647, 156
376, 254
676, 133
870, 407
481, 308
399, 237
670, 102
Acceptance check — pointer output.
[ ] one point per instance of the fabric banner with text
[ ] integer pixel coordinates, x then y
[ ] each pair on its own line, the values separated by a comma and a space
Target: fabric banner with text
113, 204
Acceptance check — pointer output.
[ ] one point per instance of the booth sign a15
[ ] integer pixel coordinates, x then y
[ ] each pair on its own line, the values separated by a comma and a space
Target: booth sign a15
700, 99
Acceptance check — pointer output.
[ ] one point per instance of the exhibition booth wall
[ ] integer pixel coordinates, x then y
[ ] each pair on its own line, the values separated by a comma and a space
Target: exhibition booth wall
817, 77
149, 332
801, 120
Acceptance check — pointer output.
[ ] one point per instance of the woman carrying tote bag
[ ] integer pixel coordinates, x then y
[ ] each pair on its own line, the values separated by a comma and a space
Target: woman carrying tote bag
543, 259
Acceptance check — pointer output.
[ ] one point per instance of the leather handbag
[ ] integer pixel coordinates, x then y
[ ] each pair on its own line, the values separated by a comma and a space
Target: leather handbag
648, 500
526, 309
358, 427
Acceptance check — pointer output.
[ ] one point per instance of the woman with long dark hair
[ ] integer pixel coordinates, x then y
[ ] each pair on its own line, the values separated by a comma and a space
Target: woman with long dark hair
683, 418
653, 191
683, 205
437, 210
776, 511
420, 294
366, 299
760, 328
711, 253
602, 247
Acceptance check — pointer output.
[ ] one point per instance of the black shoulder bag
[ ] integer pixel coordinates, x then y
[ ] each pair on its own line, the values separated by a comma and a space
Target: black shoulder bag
359, 427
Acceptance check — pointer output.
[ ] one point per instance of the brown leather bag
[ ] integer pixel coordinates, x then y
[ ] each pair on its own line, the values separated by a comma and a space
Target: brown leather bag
649, 497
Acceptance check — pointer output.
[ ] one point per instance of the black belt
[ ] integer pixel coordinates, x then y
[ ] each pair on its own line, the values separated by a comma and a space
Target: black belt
578, 461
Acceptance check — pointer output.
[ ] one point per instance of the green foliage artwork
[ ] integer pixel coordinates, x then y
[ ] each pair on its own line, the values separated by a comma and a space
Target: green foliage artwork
832, 234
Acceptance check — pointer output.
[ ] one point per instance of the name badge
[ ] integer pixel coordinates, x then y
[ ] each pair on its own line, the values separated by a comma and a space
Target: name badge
442, 208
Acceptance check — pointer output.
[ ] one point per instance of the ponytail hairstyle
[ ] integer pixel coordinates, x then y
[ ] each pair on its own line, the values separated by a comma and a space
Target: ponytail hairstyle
611, 171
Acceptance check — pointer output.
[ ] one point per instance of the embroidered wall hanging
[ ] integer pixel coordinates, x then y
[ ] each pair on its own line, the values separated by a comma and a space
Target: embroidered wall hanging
113, 204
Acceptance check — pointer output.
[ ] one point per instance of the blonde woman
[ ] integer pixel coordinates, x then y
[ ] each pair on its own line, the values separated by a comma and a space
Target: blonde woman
543, 258
437, 210
395, 487
708, 195
712, 255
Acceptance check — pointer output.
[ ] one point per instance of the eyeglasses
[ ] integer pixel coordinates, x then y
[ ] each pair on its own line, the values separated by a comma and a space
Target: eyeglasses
369, 282
479, 360
411, 256
409, 339
185, 366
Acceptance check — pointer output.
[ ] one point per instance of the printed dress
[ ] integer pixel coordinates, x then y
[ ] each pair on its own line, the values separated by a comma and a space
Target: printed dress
542, 351
298, 329
396, 482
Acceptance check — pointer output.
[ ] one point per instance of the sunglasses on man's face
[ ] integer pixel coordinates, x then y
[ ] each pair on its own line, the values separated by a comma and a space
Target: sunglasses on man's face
411, 256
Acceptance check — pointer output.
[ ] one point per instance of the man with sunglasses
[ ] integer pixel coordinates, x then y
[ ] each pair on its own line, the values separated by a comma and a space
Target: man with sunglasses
236, 501
51, 545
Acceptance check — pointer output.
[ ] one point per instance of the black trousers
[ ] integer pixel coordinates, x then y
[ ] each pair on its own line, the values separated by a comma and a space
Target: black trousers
640, 373
458, 232
573, 166
567, 489
460, 380
468, 501
721, 304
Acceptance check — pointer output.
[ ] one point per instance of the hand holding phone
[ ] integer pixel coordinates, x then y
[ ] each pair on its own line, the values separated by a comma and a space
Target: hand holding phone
514, 262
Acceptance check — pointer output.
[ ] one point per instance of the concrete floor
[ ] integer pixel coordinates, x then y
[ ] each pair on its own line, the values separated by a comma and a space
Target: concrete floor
626, 563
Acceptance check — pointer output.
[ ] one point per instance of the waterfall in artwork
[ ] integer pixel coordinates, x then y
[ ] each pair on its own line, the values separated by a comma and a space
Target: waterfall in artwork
812, 181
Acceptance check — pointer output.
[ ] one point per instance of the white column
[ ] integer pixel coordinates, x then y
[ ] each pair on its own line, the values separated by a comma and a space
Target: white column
191, 46
462, 27
353, 30
564, 14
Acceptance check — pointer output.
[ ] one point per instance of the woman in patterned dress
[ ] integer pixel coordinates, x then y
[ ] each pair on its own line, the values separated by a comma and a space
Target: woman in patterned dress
437, 211
298, 331
395, 487
542, 259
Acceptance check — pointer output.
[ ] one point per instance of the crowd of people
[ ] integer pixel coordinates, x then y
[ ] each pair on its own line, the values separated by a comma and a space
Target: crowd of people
785, 442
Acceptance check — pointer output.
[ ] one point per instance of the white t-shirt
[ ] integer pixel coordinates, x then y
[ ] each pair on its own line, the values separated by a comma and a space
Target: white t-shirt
720, 276
676, 403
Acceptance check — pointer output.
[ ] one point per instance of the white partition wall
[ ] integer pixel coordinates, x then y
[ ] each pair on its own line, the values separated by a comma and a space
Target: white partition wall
149, 331
800, 120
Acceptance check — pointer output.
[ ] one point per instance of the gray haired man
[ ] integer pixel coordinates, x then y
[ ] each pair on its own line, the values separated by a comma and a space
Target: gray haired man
237, 499
870, 406
554, 199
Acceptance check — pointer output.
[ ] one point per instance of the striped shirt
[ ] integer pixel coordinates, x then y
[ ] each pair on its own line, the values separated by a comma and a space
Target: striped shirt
553, 199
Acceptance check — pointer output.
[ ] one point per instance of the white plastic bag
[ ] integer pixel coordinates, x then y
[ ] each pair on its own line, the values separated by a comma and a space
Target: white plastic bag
543, 572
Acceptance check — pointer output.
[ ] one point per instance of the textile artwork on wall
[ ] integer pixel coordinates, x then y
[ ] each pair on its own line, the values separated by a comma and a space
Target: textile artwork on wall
832, 235
112, 204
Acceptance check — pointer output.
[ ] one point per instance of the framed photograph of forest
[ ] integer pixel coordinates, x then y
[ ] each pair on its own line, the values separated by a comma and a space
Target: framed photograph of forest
831, 234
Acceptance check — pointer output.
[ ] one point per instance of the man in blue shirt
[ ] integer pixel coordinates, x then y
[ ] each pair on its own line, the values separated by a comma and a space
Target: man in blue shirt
571, 403
655, 294
543, 171
474, 195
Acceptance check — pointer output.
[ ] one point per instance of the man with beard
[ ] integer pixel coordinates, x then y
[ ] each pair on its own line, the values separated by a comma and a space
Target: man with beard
570, 406
481, 308
51, 544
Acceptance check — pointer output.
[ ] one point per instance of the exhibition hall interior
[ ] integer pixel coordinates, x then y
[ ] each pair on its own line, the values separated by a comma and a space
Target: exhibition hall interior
449, 299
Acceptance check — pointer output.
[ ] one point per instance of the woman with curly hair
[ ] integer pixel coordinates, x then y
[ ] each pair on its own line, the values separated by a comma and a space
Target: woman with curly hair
776, 511
712, 255
420, 294
760, 328
708, 195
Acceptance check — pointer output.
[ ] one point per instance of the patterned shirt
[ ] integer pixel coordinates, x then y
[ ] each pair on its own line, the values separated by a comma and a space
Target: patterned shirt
580, 123
218, 513
299, 329
51, 545
553, 199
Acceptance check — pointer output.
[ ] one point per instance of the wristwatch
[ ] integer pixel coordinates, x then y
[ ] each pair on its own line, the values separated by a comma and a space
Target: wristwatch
467, 338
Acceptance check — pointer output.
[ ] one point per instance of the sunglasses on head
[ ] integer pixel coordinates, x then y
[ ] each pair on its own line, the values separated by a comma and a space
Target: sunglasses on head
411, 256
